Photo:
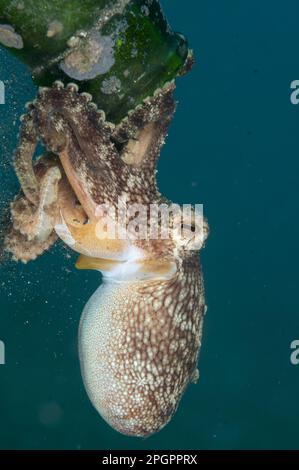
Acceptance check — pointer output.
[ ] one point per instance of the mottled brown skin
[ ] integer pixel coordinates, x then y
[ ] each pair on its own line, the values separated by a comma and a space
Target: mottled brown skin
139, 354
140, 332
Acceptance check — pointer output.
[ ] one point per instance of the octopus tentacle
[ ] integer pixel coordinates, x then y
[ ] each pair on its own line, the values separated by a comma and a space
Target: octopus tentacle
23, 159
32, 230
37, 223
92, 187
143, 134
157, 110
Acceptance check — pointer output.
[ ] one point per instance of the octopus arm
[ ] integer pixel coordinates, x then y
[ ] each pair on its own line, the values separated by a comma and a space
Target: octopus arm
142, 134
23, 160
31, 231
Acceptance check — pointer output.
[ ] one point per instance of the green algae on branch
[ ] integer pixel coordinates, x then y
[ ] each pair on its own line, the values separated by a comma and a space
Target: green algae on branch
120, 51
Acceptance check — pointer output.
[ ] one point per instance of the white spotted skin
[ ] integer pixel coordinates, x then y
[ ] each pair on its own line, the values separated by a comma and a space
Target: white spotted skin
139, 345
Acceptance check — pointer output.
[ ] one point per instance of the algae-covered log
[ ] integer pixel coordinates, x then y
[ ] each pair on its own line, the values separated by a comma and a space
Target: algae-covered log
120, 51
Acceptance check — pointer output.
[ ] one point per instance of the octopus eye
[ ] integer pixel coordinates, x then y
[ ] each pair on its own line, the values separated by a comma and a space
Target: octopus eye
190, 228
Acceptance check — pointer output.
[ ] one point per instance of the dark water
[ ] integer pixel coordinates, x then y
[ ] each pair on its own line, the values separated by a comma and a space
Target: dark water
233, 146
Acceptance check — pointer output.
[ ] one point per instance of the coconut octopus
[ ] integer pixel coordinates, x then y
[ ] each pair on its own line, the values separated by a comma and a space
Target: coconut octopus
140, 332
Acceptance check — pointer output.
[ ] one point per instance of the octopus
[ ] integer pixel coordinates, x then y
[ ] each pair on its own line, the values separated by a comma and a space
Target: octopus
140, 332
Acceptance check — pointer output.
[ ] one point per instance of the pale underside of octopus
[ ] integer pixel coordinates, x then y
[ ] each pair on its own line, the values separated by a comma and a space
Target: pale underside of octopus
140, 333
